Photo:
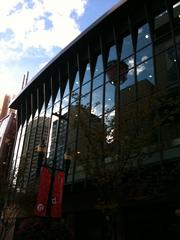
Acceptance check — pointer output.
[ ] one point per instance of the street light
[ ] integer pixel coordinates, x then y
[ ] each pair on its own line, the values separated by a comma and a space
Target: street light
41, 150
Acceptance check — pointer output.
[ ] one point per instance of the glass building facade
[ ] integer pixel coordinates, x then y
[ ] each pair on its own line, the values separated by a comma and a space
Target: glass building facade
112, 91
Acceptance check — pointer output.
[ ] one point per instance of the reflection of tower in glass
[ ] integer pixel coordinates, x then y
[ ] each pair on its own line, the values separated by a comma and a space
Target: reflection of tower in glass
113, 74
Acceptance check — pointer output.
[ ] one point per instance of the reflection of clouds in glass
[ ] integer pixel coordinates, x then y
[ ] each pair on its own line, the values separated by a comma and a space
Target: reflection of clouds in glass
131, 72
65, 99
140, 30
88, 68
144, 58
97, 109
131, 62
140, 69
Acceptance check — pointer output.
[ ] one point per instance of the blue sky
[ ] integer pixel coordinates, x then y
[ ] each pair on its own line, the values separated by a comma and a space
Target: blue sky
32, 32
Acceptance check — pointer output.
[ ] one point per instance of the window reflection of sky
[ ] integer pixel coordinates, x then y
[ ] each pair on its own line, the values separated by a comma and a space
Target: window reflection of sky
143, 36
144, 54
99, 66
109, 97
76, 82
97, 100
146, 71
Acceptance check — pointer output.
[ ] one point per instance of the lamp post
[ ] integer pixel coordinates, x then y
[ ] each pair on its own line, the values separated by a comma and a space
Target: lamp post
41, 150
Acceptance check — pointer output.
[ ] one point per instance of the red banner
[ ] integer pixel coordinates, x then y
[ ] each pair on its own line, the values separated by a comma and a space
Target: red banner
43, 193
57, 195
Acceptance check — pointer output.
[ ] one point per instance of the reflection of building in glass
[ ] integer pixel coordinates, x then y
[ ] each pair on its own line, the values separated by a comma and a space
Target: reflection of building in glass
135, 109
57, 154
29, 157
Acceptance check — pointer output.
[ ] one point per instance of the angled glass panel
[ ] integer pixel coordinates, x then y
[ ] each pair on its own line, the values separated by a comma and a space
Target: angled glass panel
87, 74
99, 66
49, 103
85, 101
112, 54
111, 72
126, 68
58, 96
42, 110
145, 77
144, 54
65, 100
97, 101
86, 88
56, 106
75, 92
109, 97
66, 92
36, 113
49, 108
76, 82
98, 73
144, 37
127, 47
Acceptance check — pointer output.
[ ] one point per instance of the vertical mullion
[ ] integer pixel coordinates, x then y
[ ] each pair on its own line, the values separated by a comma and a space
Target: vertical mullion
104, 80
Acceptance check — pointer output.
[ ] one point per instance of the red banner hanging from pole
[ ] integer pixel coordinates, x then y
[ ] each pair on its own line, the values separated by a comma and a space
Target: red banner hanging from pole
43, 192
57, 195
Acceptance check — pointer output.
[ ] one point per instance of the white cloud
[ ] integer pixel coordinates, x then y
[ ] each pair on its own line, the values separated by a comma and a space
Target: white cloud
33, 28
140, 68
46, 24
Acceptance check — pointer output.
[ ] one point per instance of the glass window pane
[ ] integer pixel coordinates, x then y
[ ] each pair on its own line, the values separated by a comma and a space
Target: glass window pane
144, 54
127, 47
98, 81
144, 37
109, 97
99, 66
58, 96
145, 77
86, 88
85, 101
66, 92
75, 97
97, 101
87, 74
49, 103
76, 82
112, 54
128, 94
